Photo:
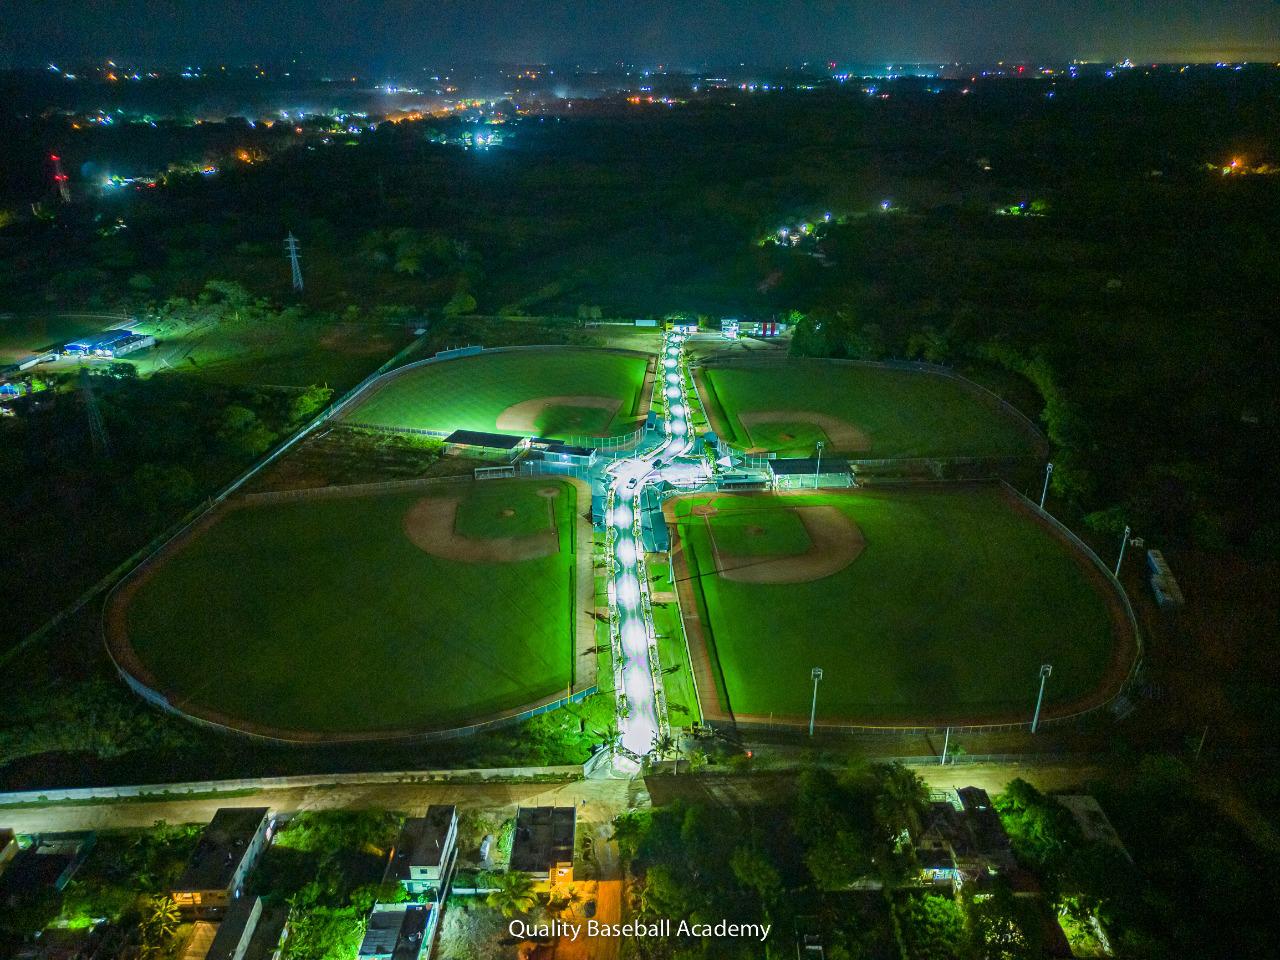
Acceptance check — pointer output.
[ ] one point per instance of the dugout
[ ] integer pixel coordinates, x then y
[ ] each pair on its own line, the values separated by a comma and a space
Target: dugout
799, 473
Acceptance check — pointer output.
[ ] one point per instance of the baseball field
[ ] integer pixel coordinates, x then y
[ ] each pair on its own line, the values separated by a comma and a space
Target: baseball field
364, 615
857, 410
550, 393
922, 605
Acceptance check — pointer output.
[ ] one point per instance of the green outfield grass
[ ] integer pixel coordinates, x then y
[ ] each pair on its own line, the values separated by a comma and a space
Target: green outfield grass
949, 611
900, 413
320, 615
471, 393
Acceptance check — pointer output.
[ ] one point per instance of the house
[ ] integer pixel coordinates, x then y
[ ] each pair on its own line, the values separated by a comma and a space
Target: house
425, 852
399, 932
235, 932
543, 843
796, 474
962, 841
48, 863
476, 443
227, 850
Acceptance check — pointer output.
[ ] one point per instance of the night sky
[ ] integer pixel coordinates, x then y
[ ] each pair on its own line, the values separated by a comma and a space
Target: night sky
396, 34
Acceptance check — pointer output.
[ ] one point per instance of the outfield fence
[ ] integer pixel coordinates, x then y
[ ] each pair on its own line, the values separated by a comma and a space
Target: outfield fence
353, 489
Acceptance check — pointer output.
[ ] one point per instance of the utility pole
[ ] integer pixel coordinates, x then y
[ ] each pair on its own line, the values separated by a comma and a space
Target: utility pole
946, 742
816, 674
818, 469
1048, 472
97, 432
1045, 670
1200, 745
291, 248
1123, 543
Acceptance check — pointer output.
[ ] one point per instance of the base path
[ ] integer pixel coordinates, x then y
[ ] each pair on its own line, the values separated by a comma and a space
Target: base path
430, 525
844, 436
523, 417
834, 542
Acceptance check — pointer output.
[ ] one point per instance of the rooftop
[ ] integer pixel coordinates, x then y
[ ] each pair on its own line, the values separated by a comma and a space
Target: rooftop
422, 840
222, 846
477, 438
781, 468
544, 837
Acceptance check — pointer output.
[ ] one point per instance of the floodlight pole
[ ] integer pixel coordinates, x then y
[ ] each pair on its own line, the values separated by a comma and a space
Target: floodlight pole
946, 742
1045, 670
817, 469
816, 674
1123, 543
1048, 472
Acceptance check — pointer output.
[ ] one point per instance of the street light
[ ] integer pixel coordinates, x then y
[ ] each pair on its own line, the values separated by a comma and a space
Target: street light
1048, 472
1045, 670
1136, 541
816, 673
818, 468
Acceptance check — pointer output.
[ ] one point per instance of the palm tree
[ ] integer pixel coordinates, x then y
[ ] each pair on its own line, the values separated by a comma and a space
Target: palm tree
512, 893
160, 919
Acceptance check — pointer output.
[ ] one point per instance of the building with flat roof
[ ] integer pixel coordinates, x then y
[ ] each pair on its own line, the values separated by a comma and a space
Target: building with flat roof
543, 843
799, 473
476, 443
49, 862
399, 932
425, 852
227, 850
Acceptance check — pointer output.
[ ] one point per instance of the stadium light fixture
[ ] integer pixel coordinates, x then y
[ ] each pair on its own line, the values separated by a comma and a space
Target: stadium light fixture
816, 674
1045, 670
818, 468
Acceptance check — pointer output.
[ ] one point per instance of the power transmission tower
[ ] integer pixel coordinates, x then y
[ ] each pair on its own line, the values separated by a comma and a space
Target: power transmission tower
97, 432
291, 248
60, 178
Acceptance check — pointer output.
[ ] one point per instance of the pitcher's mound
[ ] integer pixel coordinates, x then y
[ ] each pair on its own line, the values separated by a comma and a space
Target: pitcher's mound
835, 541
429, 525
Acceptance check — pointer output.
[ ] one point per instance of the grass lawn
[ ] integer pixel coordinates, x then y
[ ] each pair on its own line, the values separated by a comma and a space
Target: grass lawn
321, 615
677, 678
298, 354
901, 413
949, 611
23, 336
470, 393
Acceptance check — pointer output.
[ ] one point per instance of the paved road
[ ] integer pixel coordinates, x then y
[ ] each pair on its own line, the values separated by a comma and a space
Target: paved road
597, 800
629, 479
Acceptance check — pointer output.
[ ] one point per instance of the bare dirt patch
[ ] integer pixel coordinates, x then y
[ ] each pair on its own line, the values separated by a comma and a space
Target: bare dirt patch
834, 542
523, 417
844, 437
429, 525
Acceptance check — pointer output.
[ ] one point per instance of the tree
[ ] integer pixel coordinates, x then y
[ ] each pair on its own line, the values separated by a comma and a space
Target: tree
756, 872
512, 894
160, 919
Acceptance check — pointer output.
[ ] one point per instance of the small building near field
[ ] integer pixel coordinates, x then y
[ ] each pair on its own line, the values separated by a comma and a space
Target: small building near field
556, 451
1093, 821
476, 443
101, 344
235, 933
227, 850
796, 474
425, 852
543, 843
